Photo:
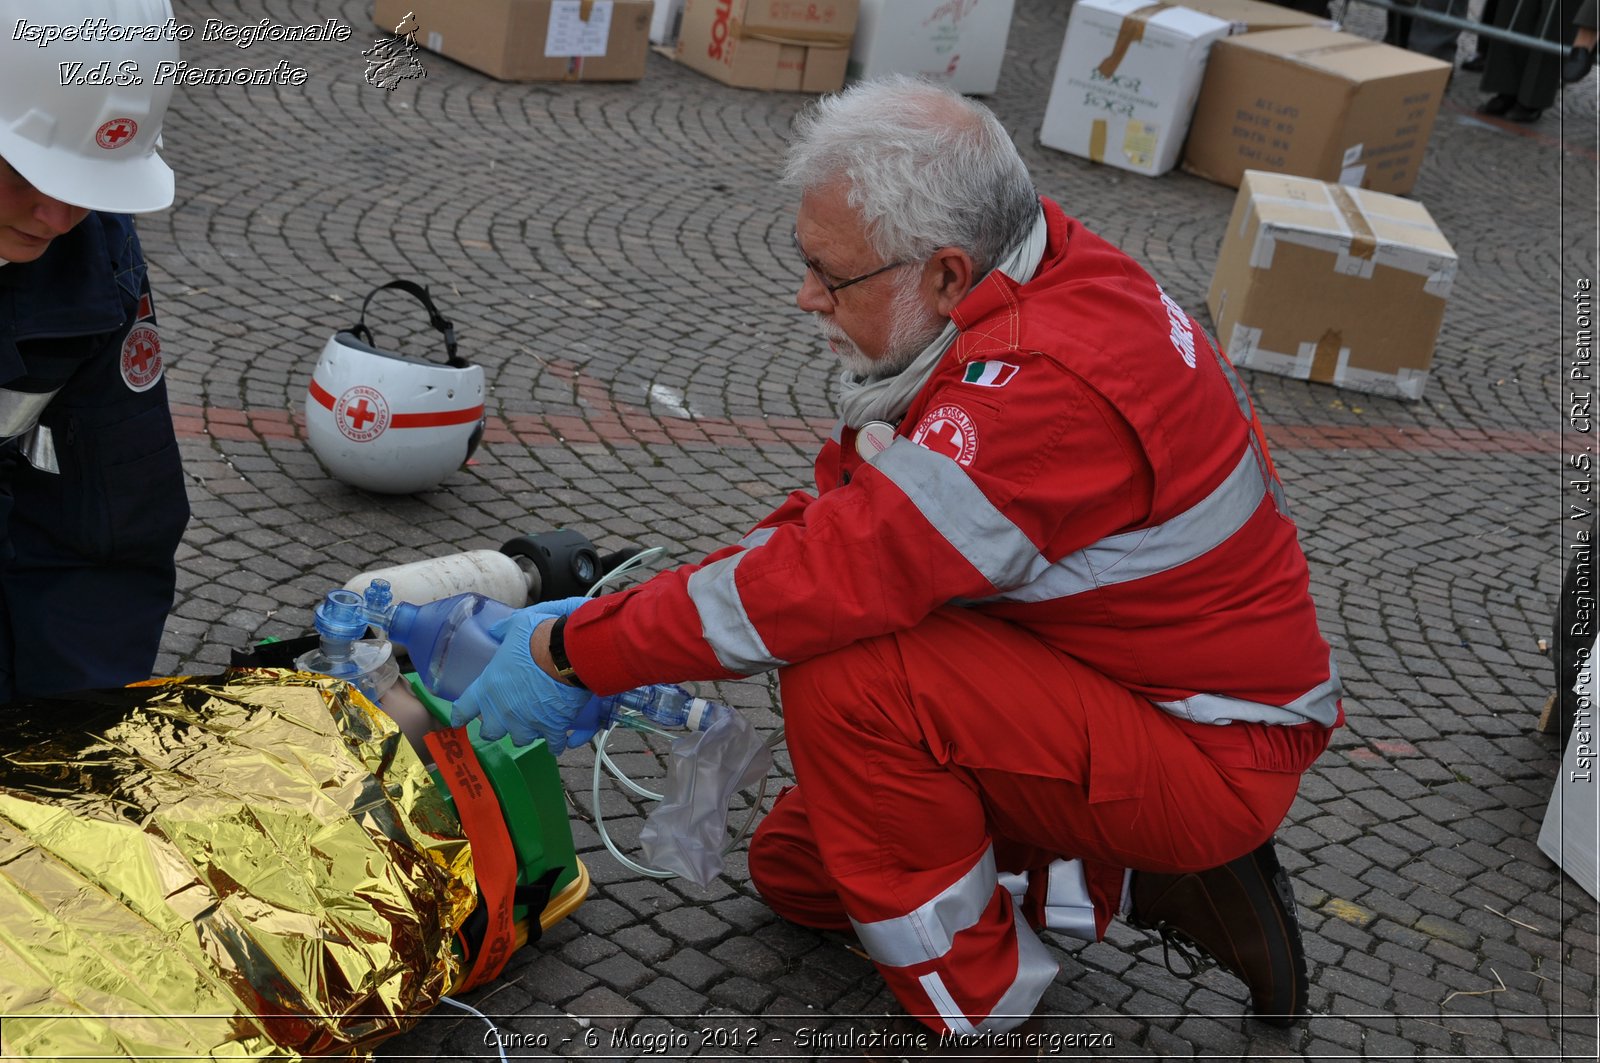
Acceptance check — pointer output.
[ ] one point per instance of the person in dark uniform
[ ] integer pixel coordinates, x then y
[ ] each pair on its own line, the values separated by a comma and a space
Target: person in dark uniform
1523, 83
92, 498
1580, 60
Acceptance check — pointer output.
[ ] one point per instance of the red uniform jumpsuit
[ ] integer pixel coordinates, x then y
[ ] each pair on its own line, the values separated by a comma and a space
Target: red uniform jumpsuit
1064, 614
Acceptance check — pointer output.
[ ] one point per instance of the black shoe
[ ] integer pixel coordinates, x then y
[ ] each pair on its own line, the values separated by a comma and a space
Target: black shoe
1579, 62
1520, 113
1497, 105
1475, 64
1240, 916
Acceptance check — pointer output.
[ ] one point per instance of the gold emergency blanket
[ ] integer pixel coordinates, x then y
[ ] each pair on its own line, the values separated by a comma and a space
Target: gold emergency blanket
249, 866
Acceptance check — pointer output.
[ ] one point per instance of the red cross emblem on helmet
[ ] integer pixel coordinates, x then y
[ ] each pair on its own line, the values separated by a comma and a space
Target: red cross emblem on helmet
115, 133
361, 414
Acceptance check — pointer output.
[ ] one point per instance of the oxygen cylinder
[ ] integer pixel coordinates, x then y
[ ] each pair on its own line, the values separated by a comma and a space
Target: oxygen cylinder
486, 572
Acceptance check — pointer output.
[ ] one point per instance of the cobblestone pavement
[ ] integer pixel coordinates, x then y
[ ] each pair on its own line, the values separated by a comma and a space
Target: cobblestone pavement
616, 256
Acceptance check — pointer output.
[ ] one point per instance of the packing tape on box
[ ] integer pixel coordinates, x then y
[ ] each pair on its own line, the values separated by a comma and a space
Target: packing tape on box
1405, 383
1331, 49
1440, 268
1326, 360
804, 38
1097, 140
1128, 34
1350, 217
1363, 241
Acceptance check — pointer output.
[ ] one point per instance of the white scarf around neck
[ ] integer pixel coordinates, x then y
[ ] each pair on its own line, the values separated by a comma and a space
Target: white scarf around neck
863, 399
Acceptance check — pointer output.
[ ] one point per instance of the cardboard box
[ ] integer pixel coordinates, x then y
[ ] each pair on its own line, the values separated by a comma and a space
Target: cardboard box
531, 40
956, 43
1126, 83
665, 20
1317, 103
1324, 282
777, 45
1254, 16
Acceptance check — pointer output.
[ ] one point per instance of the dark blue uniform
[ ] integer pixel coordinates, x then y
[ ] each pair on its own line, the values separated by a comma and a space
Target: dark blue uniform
86, 552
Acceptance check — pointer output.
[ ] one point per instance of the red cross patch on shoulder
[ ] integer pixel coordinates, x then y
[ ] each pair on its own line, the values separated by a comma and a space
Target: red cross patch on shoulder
948, 430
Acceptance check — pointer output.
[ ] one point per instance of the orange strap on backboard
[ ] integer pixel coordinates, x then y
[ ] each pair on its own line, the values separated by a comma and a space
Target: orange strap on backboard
494, 860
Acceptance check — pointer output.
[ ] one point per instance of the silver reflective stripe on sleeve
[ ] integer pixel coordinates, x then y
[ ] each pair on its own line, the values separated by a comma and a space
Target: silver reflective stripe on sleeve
756, 538
928, 932
1231, 375
39, 447
1134, 555
20, 410
724, 622
1279, 499
950, 502
1320, 704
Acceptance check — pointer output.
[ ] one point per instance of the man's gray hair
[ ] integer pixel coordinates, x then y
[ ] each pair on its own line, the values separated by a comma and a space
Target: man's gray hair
925, 168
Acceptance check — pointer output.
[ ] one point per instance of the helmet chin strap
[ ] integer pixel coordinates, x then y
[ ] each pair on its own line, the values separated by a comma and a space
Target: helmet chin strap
436, 319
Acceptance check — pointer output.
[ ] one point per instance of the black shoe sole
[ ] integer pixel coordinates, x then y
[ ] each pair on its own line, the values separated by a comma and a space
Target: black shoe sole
1294, 961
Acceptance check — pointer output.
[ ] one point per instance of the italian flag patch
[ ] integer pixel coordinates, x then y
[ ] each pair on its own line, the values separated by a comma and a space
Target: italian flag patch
989, 374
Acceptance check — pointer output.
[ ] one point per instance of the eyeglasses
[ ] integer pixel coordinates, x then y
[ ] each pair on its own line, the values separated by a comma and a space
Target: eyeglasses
822, 275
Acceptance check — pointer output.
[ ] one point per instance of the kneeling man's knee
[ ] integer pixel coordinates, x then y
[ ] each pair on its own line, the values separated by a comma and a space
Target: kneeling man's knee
840, 686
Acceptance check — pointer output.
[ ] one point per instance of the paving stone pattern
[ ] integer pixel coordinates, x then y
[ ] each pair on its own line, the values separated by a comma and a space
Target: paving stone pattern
617, 257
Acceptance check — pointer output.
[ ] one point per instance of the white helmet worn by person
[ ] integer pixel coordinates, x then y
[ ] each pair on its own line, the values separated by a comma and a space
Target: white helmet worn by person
388, 423
87, 145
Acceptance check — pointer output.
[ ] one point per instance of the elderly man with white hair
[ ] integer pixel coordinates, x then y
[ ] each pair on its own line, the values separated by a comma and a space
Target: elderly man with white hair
1043, 630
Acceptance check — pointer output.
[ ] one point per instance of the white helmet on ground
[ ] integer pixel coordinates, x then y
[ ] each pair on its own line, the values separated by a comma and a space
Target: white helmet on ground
88, 145
388, 423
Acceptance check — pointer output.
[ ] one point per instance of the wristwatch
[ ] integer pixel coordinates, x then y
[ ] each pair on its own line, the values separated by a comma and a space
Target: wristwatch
558, 654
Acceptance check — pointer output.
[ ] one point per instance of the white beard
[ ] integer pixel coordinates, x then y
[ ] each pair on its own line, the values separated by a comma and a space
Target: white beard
910, 330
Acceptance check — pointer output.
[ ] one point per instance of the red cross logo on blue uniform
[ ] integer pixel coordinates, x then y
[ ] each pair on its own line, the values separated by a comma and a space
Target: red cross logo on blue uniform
141, 357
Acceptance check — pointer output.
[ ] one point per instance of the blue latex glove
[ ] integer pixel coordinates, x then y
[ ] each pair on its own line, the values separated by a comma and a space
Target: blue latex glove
515, 696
